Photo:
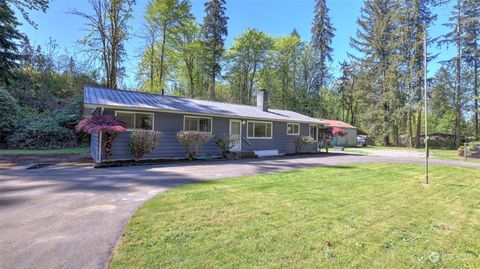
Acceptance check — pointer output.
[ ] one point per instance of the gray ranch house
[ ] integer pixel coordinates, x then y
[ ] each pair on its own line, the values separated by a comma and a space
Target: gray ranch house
263, 131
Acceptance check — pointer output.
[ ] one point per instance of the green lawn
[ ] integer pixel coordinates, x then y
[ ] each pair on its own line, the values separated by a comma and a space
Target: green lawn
77, 150
358, 216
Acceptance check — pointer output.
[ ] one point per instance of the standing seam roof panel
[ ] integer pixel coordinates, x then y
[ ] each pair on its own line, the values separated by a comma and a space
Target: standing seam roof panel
114, 97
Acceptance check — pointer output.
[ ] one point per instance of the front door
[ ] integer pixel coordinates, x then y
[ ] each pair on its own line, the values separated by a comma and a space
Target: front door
236, 134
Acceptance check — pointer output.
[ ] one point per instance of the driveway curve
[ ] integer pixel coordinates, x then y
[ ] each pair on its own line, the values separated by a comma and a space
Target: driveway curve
72, 216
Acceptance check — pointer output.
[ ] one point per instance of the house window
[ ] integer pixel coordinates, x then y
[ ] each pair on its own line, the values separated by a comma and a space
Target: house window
314, 132
197, 124
259, 129
136, 120
293, 129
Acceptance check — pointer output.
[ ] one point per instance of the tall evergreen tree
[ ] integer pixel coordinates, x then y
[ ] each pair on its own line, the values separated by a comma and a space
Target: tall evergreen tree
456, 36
471, 52
25, 5
415, 18
9, 38
376, 42
322, 35
215, 31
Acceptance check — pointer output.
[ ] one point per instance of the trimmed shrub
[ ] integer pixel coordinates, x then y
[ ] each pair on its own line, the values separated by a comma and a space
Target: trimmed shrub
301, 142
143, 141
200, 138
110, 126
225, 143
187, 138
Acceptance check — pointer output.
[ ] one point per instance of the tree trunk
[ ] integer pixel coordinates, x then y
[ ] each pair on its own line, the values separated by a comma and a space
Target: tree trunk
419, 129
162, 56
410, 128
212, 92
190, 77
386, 137
458, 116
475, 100
152, 71
214, 71
252, 79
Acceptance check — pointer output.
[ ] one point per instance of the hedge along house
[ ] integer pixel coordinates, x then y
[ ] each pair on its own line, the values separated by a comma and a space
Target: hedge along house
257, 129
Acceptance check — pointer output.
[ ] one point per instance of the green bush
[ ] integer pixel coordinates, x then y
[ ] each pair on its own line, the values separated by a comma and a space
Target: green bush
187, 138
43, 133
471, 147
301, 142
143, 141
225, 143
9, 109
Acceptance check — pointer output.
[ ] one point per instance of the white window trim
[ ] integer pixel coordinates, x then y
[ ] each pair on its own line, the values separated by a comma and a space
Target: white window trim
135, 118
310, 134
298, 124
198, 117
267, 122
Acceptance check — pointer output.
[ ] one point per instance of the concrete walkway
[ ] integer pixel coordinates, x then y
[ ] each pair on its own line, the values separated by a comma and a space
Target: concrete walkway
72, 216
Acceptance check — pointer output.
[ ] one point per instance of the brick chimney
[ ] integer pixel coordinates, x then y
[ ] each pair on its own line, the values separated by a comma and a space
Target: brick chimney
262, 99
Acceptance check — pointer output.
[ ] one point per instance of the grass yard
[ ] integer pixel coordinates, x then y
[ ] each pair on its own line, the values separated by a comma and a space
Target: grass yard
76, 150
361, 216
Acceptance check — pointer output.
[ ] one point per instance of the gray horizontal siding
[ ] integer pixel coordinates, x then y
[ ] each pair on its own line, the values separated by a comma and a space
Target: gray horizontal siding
168, 124
280, 140
94, 146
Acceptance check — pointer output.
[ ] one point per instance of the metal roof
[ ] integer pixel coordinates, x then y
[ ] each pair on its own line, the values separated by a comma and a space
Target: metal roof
104, 97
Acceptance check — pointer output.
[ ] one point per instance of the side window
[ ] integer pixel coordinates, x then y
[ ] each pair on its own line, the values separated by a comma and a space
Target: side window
143, 121
259, 129
314, 132
197, 124
136, 120
191, 124
293, 128
129, 119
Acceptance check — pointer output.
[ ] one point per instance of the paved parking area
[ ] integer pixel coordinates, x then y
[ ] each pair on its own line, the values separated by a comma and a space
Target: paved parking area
72, 216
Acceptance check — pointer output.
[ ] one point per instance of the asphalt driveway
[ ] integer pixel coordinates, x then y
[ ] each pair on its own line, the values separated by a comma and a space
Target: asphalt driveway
72, 216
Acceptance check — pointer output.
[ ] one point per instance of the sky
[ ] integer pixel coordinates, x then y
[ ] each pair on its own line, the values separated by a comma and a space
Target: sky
274, 17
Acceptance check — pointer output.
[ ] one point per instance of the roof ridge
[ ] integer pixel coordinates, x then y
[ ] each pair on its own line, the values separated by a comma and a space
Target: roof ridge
177, 97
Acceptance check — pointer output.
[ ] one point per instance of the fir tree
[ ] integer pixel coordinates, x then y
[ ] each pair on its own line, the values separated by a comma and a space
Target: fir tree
376, 43
215, 31
471, 52
455, 36
322, 35
9, 38
415, 18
